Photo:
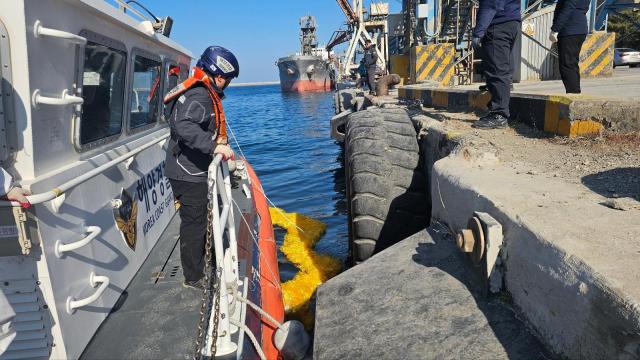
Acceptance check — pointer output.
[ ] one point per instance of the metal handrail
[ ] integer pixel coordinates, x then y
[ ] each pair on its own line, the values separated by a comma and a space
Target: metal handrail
94, 280
60, 189
555, 54
219, 184
61, 248
64, 99
39, 30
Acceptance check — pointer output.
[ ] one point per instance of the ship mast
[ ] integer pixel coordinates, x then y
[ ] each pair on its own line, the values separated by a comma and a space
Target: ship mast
308, 40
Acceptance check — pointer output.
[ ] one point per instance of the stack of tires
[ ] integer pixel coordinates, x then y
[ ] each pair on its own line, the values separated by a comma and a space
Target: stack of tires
386, 185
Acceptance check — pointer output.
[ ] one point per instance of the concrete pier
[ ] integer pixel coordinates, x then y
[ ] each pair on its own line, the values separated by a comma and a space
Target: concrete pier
611, 103
419, 299
569, 210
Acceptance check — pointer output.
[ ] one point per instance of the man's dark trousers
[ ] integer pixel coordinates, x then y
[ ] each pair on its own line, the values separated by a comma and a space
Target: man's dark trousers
497, 49
569, 56
193, 227
371, 78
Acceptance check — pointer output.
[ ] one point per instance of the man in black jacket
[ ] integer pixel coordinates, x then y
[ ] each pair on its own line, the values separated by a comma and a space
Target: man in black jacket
497, 28
370, 62
198, 132
569, 29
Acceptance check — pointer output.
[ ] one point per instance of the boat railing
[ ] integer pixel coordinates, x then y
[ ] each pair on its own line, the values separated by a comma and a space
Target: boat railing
226, 260
57, 194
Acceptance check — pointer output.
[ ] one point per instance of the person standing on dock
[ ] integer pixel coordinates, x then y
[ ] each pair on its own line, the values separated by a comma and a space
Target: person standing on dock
198, 132
569, 30
496, 31
362, 72
370, 62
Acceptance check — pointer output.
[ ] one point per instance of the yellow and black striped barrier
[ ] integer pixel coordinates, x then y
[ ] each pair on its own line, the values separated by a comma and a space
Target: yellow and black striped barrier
433, 62
551, 113
596, 55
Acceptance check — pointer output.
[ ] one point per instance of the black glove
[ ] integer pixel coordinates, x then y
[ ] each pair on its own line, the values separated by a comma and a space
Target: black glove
476, 42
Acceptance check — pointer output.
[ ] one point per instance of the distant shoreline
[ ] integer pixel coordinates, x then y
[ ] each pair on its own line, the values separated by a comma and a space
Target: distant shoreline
263, 83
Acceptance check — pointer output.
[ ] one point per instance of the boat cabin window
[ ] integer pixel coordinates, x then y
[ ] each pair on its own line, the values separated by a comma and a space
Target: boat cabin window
173, 77
145, 92
103, 84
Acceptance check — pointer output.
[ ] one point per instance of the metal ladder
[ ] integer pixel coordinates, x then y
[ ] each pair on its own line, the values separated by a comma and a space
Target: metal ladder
457, 27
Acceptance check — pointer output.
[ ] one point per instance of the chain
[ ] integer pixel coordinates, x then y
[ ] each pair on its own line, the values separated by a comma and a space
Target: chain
207, 293
216, 311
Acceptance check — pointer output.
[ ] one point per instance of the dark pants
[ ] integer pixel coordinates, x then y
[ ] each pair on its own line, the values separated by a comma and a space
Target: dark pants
362, 81
371, 74
193, 227
569, 56
497, 61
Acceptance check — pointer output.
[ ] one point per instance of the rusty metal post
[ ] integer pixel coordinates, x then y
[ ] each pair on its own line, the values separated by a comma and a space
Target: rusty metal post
382, 87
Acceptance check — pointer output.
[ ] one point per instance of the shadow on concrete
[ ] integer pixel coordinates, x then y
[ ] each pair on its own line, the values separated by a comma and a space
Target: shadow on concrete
446, 260
615, 183
409, 212
528, 131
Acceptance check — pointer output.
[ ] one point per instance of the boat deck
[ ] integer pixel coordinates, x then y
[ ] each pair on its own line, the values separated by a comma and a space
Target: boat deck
156, 317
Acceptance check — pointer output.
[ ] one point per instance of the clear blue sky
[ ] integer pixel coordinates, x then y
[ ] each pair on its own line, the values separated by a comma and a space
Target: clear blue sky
258, 32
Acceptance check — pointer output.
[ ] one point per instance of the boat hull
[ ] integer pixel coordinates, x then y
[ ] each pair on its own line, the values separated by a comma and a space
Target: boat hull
303, 73
147, 307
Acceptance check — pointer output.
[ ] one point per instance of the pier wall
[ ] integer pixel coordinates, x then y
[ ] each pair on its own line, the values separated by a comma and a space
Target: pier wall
566, 259
567, 115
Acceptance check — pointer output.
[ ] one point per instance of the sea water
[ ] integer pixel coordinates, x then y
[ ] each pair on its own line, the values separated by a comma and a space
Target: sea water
286, 138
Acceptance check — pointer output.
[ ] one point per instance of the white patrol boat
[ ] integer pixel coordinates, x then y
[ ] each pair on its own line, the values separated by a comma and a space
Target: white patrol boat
81, 127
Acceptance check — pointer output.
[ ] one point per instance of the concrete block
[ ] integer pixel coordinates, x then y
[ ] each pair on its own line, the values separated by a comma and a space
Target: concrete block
567, 115
596, 54
418, 299
433, 63
563, 266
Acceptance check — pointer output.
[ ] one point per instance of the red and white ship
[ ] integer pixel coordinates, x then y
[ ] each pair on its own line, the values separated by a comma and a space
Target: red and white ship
309, 70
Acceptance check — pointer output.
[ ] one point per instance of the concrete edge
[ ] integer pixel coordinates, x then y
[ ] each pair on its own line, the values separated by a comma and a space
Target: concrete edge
556, 114
576, 311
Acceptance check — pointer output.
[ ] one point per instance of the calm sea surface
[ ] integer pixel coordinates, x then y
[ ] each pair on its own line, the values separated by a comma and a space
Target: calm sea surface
286, 139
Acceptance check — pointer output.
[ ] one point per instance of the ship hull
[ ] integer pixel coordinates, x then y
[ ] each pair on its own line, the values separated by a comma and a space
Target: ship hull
304, 73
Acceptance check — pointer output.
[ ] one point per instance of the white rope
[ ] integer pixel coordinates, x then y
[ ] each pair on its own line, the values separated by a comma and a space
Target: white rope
260, 310
235, 139
252, 337
255, 241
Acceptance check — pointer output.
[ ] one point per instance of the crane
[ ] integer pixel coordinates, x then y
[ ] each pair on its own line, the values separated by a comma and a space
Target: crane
359, 29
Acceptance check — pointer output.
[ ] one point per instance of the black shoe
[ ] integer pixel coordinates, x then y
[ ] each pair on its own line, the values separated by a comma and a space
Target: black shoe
197, 285
491, 121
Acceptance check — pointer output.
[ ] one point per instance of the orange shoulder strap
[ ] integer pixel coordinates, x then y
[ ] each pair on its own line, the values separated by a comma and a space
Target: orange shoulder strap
200, 77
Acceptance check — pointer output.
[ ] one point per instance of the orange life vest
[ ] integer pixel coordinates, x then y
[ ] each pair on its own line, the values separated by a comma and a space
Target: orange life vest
199, 77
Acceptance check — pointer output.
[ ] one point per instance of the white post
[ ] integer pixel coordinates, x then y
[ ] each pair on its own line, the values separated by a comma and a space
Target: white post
231, 227
224, 344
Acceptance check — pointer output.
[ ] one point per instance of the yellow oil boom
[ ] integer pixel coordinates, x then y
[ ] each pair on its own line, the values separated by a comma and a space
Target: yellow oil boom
302, 234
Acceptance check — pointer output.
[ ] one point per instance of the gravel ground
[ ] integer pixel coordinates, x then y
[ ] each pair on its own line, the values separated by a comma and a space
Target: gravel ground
608, 164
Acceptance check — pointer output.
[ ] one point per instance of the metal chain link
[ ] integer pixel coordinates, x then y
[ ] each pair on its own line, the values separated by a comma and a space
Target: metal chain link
207, 293
216, 311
